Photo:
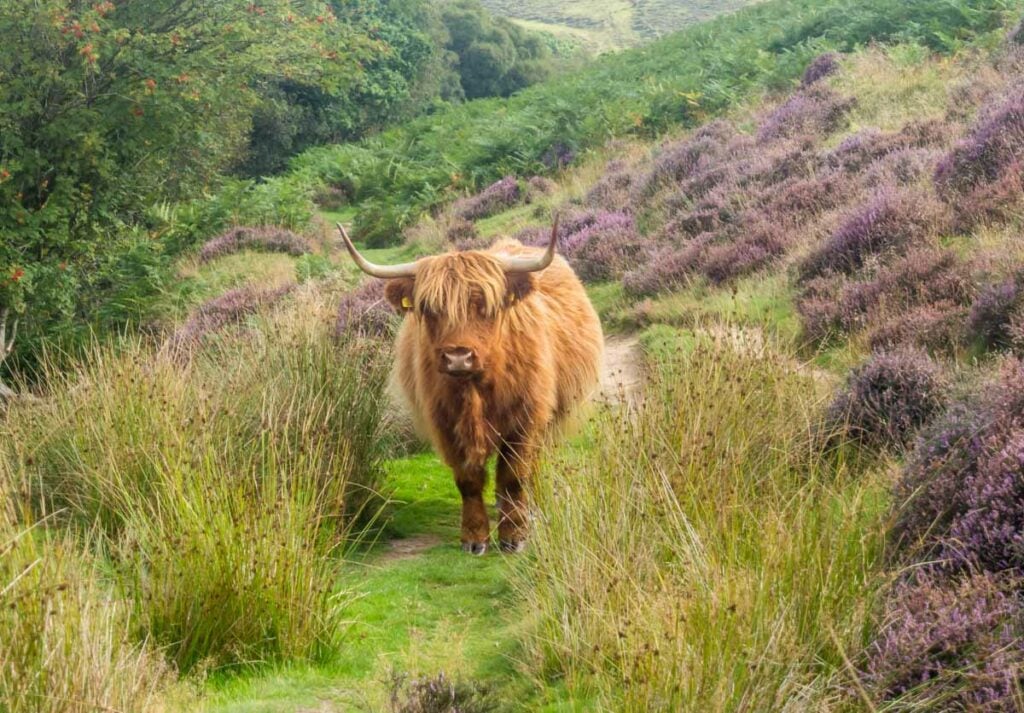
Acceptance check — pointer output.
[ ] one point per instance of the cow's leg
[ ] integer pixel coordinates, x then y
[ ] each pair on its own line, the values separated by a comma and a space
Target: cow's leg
516, 465
476, 530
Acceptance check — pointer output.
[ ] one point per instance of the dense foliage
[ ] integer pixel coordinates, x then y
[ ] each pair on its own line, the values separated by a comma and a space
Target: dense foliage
679, 80
410, 72
118, 120
495, 56
430, 54
107, 109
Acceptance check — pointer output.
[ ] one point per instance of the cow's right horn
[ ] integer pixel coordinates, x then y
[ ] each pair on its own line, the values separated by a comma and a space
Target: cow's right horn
514, 265
406, 269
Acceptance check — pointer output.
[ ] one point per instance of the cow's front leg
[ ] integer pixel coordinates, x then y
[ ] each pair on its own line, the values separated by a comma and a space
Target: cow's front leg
475, 527
516, 465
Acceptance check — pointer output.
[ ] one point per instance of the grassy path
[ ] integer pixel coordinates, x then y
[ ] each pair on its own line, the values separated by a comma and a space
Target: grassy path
421, 607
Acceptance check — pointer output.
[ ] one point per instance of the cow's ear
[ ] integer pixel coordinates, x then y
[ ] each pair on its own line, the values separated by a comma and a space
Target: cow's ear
519, 286
398, 292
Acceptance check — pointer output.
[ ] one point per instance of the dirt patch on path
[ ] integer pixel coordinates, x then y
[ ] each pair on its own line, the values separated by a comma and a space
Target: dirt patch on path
409, 547
621, 375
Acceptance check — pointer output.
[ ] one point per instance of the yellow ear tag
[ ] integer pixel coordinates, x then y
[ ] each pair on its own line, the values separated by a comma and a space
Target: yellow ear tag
406, 303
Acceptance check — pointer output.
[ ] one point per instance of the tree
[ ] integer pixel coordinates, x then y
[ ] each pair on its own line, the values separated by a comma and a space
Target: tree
496, 56
106, 109
411, 72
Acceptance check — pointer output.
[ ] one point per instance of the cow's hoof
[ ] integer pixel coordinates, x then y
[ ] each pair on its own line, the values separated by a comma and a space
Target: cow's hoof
513, 546
474, 548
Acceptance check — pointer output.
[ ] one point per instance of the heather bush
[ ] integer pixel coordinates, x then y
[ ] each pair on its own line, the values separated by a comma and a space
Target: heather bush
903, 167
690, 224
981, 176
891, 221
798, 200
995, 201
824, 65
958, 452
727, 202
265, 239
782, 161
857, 151
365, 312
993, 311
538, 187
920, 278
929, 493
869, 146
570, 225
994, 143
709, 178
887, 399
749, 252
610, 248
677, 161
463, 234
438, 694
1016, 332
948, 645
230, 308
613, 190
989, 534
495, 198
557, 156
667, 269
818, 309
936, 328
813, 111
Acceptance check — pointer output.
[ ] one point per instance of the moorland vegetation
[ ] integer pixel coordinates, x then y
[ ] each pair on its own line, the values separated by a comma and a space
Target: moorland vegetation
807, 214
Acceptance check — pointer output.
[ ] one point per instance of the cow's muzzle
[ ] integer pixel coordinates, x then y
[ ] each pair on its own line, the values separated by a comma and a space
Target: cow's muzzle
459, 361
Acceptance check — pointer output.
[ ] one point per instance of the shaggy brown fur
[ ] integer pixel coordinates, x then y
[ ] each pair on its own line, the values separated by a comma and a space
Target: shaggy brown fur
538, 344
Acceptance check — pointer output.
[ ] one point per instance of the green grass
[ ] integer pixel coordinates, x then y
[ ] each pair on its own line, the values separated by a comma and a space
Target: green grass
437, 610
508, 222
200, 282
344, 216
764, 301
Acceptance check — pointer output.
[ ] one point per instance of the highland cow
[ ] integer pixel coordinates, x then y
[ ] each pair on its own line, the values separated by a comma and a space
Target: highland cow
496, 347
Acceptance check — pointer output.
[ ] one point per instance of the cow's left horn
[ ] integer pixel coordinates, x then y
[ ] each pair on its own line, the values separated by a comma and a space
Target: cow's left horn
514, 265
406, 269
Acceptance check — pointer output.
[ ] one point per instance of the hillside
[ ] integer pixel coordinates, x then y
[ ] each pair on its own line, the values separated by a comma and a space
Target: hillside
603, 26
801, 487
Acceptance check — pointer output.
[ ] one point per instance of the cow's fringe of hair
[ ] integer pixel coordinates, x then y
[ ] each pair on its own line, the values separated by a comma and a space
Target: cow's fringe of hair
460, 282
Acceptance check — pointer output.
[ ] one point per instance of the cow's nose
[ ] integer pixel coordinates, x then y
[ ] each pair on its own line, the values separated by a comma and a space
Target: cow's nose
458, 360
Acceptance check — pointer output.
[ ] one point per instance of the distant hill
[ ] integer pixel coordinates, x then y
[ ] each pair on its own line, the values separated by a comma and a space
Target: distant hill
603, 25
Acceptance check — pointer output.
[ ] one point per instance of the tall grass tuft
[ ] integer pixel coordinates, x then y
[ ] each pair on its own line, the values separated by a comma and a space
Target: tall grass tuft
224, 487
703, 552
62, 643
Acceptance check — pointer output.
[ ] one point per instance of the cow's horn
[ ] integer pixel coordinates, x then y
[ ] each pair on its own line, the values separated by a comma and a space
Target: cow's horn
532, 264
406, 269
